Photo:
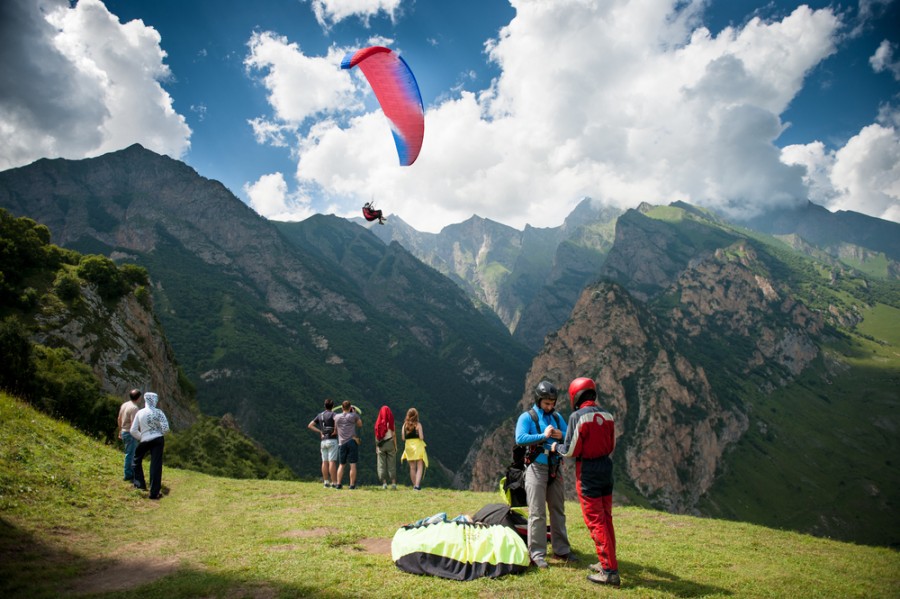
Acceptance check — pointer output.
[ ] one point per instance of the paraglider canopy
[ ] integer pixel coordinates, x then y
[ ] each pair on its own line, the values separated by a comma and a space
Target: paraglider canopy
398, 95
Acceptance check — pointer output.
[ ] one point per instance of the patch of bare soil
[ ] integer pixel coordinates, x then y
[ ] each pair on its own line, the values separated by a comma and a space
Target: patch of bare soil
377, 546
125, 574
147, 561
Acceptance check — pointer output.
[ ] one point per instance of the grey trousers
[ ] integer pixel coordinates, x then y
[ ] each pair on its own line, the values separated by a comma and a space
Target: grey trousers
541, 496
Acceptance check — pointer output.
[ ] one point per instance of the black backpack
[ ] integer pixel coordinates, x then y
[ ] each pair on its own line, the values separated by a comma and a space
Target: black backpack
326, 420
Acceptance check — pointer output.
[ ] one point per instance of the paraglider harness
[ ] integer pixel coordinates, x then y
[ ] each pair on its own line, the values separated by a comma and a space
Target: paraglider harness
522, 457
370, 213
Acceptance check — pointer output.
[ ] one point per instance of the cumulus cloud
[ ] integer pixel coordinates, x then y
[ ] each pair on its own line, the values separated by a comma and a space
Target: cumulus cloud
883, 60
298, 86
863, 175
620, 101
270, 198
634, 103
76, 82
329, 12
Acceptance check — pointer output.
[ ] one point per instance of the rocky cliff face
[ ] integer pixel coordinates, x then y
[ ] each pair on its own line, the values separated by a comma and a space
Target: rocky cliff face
124, 346
671, 429
651, 342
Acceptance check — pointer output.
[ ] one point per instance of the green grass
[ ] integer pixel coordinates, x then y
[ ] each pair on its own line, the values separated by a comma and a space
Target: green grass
68, 526
883, 323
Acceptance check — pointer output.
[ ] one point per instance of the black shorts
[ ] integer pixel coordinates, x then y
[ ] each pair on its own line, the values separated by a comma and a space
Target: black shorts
348, 453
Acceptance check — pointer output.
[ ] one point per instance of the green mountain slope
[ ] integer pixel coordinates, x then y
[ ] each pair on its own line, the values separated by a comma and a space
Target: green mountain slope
529, 278
69, 527
78, 331
815, 366
267, 328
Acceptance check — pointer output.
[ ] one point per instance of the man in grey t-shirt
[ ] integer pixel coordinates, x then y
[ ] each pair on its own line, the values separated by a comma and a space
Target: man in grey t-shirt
346, 424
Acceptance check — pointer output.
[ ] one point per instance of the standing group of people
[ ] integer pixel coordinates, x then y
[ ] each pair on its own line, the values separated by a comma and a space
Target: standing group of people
143, 430
339, 445
589, 437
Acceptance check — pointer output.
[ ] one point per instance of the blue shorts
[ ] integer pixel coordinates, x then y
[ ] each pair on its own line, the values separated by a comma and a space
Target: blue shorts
349, 453
329, 449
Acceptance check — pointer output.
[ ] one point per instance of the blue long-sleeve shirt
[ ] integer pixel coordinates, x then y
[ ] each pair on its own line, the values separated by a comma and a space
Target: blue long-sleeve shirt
528, 434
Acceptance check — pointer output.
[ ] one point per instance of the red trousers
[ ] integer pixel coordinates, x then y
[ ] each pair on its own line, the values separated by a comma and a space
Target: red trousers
597, 512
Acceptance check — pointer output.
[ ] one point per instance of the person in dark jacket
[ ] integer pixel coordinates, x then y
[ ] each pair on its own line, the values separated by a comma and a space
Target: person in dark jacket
590, 439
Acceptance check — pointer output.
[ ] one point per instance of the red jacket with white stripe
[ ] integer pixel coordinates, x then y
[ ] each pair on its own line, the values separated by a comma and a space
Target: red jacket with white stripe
590, 439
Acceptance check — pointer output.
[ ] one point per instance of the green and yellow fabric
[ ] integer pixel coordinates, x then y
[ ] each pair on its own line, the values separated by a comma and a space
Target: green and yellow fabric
459, 550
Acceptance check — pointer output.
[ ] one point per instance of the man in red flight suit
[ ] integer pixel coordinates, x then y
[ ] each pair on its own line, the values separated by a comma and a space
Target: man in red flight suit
590, 439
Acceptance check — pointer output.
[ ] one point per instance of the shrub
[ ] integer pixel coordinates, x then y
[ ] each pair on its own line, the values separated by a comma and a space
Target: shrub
132, 275
16, 368
29, 297
68, 389
102, 272
142, 293
67, 286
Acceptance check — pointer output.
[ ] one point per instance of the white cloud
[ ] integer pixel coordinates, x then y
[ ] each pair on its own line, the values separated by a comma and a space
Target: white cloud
862, 176
634, 103
79, 83
883, 60
866, 172
269, 197
329, 12
298, 86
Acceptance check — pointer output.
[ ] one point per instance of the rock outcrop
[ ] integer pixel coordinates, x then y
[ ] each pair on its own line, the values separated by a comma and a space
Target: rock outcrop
124, 346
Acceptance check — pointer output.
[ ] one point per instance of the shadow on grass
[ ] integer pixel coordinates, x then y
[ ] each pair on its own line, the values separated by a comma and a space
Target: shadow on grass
648, 577
33, 568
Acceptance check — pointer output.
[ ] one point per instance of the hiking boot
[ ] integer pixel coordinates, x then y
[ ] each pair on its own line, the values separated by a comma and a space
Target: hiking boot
540, 563
339, 486
605, 577
352, 487
596, 567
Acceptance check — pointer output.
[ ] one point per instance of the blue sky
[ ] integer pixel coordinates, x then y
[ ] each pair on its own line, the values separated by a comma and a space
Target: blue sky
531, 105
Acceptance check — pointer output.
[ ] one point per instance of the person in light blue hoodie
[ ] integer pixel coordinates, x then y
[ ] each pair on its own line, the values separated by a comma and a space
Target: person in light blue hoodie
149, 427
538, 428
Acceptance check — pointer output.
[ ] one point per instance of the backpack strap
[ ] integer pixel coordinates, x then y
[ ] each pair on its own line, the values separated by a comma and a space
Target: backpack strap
537, 426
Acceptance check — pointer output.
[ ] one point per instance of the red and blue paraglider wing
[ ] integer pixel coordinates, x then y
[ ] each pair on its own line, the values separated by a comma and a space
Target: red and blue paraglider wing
398, 94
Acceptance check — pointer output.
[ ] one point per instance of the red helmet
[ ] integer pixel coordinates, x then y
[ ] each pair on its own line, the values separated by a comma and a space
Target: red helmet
581, 390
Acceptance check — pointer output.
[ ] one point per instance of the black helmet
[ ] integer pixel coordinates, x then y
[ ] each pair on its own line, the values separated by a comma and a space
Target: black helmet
544, 390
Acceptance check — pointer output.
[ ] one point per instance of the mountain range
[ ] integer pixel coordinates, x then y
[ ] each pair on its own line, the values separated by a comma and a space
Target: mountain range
267, 327
752, 367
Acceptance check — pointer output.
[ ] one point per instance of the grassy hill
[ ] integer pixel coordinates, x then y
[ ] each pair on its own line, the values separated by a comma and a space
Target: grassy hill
69, 526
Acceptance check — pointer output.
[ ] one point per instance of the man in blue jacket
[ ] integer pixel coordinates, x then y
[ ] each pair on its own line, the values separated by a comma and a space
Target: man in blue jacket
538, 428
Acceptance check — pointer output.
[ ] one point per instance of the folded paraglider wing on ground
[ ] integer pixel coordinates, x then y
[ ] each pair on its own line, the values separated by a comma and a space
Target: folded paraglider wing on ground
458, 549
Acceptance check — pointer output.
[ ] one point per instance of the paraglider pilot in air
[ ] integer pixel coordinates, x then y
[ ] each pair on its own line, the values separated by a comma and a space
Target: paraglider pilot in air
370, 213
